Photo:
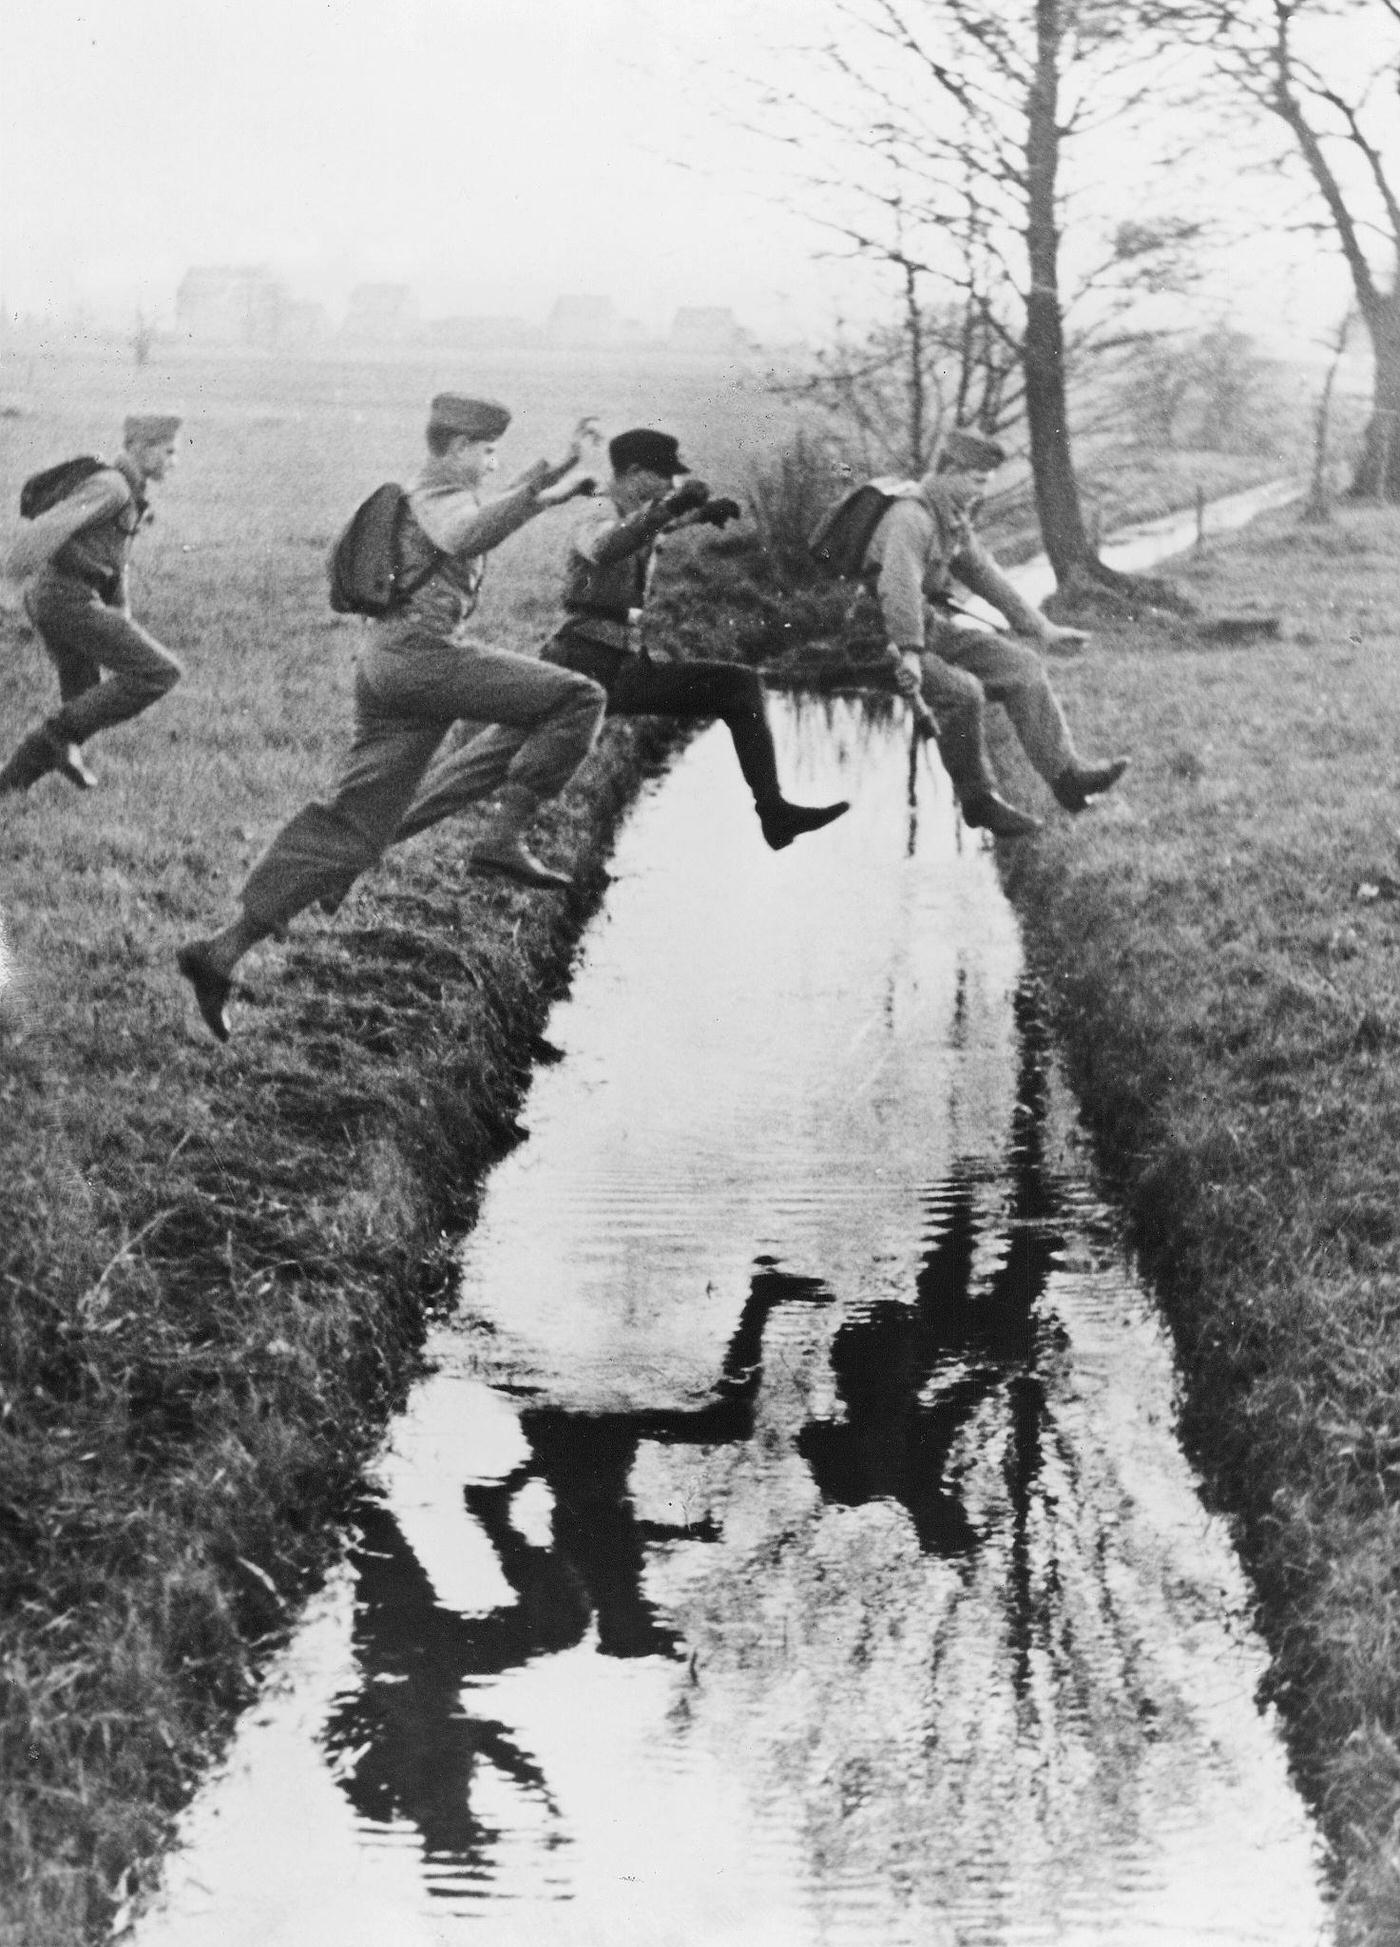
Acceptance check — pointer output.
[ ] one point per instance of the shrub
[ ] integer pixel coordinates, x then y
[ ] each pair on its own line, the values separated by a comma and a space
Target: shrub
789, 493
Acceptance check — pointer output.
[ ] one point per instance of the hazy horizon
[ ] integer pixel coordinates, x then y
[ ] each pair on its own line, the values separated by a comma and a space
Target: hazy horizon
493, 158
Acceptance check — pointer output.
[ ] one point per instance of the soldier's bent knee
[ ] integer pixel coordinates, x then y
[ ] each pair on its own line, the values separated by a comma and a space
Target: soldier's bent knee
585, 697
158, 677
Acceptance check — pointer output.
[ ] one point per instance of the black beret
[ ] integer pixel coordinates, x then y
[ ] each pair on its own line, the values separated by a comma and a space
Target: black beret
657, 452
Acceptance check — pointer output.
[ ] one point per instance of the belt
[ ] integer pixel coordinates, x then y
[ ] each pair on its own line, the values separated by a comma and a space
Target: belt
105, 585
600, 614
609, 628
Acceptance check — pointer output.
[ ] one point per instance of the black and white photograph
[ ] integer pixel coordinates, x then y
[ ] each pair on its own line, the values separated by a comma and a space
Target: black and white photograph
700, 973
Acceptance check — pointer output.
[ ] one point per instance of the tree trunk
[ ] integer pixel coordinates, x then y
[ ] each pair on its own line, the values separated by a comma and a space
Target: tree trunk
1066, 538
1377, 475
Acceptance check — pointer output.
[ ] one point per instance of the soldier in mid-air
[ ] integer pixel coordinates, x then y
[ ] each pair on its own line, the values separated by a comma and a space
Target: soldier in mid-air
418, 676
605, 585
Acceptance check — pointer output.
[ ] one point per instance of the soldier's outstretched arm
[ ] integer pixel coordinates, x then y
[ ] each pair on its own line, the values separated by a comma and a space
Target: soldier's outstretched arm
545, 474
613, 536
980, 572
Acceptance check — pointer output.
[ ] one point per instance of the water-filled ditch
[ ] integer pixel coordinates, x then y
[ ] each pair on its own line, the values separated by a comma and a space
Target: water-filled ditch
791, 1544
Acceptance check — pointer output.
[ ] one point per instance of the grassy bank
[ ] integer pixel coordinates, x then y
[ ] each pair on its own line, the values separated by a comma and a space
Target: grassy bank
1218, 945
215, 1264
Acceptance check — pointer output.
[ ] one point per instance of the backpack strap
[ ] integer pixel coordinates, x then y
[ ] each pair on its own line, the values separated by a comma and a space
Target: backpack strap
408, 585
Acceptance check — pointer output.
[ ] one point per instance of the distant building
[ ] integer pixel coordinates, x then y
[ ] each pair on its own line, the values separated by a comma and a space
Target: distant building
380, 314
706, 328
582, 321
230, 305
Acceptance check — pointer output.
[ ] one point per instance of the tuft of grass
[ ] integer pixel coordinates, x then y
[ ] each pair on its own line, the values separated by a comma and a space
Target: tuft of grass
1218, 944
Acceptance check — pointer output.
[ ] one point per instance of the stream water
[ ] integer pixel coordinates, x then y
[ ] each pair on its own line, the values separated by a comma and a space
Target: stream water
790, 1546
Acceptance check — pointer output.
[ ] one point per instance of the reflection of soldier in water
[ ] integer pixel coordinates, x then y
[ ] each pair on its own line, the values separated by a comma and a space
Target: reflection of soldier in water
911, 1377
411, 1746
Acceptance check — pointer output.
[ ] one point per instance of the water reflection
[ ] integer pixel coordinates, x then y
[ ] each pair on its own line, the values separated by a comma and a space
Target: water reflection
911, 1377
915, 1377
407, 1746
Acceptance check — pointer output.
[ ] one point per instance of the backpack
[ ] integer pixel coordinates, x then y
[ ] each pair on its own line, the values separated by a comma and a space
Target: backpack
840, 539
364, 565
41, 491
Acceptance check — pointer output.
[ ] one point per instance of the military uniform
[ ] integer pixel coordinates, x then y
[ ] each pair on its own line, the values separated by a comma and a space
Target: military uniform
924, 539
604, 592
920, 546
80, 607
420, 673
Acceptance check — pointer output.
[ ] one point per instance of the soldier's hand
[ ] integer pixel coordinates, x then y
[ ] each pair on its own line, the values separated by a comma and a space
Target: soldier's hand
908, 675
719, 512
684, 499
585, 438
585, 434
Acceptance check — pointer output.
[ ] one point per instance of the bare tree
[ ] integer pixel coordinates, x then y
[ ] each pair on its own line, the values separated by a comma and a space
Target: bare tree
1328, 70
143, 337
1159, 374
1205, 386
964, 111
1228, 372
1318, 505
891, 388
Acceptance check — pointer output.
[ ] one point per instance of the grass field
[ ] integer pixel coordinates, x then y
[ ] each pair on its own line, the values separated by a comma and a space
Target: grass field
1219, 946
214, 1264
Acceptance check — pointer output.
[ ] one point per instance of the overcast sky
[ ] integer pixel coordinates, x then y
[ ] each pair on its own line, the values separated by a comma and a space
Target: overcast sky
493, 153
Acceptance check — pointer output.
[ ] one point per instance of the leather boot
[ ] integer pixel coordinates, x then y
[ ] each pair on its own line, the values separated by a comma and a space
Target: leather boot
68, 761
34, 759
212, 987
783, 822
986, 811
502, 851
1077, 782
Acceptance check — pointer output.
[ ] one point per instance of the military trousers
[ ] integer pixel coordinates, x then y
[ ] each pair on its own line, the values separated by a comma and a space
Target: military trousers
966, 668
410, 687
636, 686
83, 637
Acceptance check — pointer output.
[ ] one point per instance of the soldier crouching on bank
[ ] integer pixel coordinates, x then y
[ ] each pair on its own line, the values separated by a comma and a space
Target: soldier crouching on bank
924, 540
77, 552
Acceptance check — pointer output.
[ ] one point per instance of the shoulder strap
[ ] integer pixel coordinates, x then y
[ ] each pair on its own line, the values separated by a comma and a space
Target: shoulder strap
406, 585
